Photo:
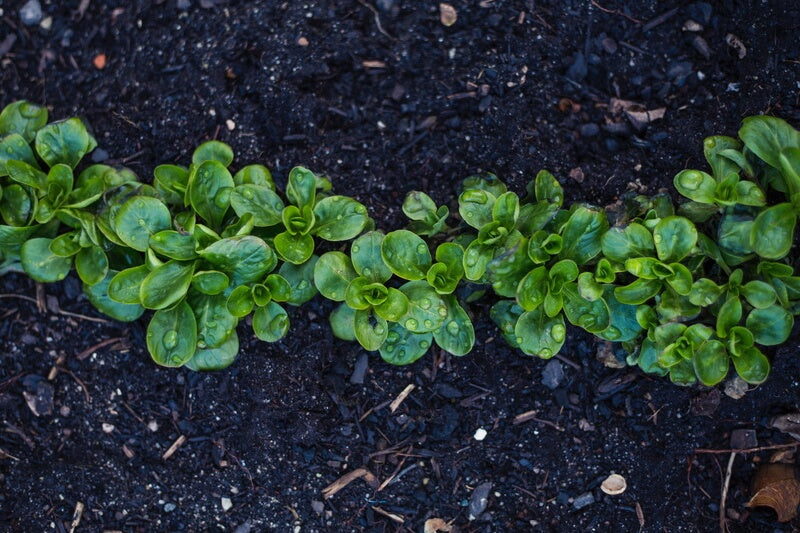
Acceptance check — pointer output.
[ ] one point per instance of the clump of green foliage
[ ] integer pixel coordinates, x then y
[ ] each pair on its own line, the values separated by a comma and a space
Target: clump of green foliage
687, 289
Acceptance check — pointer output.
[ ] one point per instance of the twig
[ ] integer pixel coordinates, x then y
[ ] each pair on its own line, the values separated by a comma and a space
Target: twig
84, 317
175, 445
76, 517
397, 518
348, 478
750, 450
615, 12
531, 415
91, 349
20, 296
723, 523
79, 382
570, 362
400, 397
377, 18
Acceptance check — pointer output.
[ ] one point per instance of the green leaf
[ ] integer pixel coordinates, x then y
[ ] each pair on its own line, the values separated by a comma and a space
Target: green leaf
240, 301
254, 175
752, 366
22, 118
301, 280
172, 335
339, 218
505, 314
124, 286
705, 292
98, 296
166, 284
14, 147
209, 191
17, 206
245, 258
638, 292
485, 182
770, 326
540, 335
91, 263
65, 142
547, 189
358, 290
270, 323
476, 258
542, 245
448, 271
759, 294
403, 347
426, 309
208, 359
582, 234
215, 324
623, 324
475, 207
258, 200
301, 188
456, 335
719, 152
592, 316
213, 151
365, 253
506, 210
711, 362
370, 330
25, 174
648, 358
295, 249
748, 193
767, 136
279, 287
406, 254
332, 274
393, 307
729, 315
674, 238
342, 322
696, 185
418, 206
210, 281
41, 264
175, 245
66, 244
773, 231
171, 181
138, 219
532, 290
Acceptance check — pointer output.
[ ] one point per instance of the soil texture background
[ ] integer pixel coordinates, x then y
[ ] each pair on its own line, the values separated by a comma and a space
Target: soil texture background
383, 98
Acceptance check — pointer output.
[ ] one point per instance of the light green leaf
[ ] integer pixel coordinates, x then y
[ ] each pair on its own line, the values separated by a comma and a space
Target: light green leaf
210, 281
403, 347
208, 359
41, 264
254, 175
540, 335
295, 249
215, 324
365, 253
301, 280
638, 292
456, 335
91, 263
271, 322
696, 185
22, 118
475, 207
770, 326
258, 200
370, 330
240, 301
592, 316
124, 286
339, 218
582, 234
245, 258
175, 245
406, 254
773, 231
213, 151
171, 181
342, 322
674, 238
301, 187
209, 191
426, 309
711, 362
65, 142
166, 284
172, 335
138, 219
752, 366
14, 147
332, 274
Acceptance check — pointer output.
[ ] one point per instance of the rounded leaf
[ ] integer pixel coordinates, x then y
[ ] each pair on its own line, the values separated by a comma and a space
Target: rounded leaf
365, 253
172, 335
175, 245
332, 274
139, 218
240, 301
457, 334
213, 151
406, 254
209, 191
166, 284
98, 296
674, 238
752, 365
696, 185
711, 362
271, 322
254, 175
540, 335
210, 281
295, 249
124, 286
65, 142
41, 264
370, 330
339, 218
22, 118
773, 231
301, 281
258, 200
403, 347
770, 326
91, 263
426, 309
343, 322
218, 358
215, 324
245, 258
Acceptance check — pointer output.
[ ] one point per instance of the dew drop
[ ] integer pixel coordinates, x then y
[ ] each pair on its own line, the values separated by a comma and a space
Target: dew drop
411, 323
612, 333
443, 311
401, 353
471, 260
452, 327
379, 329
558, 332
339, 217
424, 344
392, 337
428, 323
421, 248
546, 353
142, 222
360, 209
389, 348
211, 324
202, 344
170, 339
519, 340
657, 238
367, 271
302, 285
248, 194
356, 248
425, 303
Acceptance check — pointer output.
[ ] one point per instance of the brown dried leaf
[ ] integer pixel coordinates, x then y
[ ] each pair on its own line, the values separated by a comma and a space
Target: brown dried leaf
788, 423
776, 486
434, 525
447, 14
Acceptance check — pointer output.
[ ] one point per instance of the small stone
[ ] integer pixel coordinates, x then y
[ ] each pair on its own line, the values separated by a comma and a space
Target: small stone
302, 41
447, 14
614, 485
31, 13
40, 402
385, 5
742, 439
99, 155
317, 506
231, 125
480, 434
692, 26
584, 500
152, 426
226, 504
585, 425
183, 5
589, 130
108, 428
578, 70
553, 374
609, 45
46, 23
64, 410
246, 527
169, 507
360, 369
700, 44
479, 500
736, 388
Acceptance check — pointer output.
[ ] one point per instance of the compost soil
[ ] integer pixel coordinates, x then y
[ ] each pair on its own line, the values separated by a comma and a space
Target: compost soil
383, 98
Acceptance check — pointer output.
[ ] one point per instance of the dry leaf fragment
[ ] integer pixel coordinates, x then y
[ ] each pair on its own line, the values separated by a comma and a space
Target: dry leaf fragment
346, 479
447, 14
434, 525
776, 486
788, 423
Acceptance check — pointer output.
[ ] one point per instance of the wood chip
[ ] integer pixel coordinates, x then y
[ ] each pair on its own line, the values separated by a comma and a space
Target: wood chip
76, 517
175, 445
373, 63
400, 397
391, 516
436, 525
348, 478
447, 14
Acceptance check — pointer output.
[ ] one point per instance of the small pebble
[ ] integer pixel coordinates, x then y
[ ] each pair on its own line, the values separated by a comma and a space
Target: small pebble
46, 23
231, 125
183, 5
226, 504
317, 506
169, 507
479, 499
480, 434
589, 130
302, 41
553, 374
31, 13
108, 428
99, 155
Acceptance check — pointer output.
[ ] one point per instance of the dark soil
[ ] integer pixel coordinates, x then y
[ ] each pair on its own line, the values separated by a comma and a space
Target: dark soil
383, 99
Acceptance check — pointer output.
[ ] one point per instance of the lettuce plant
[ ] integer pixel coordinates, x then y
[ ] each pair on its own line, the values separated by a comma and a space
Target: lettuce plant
690, 290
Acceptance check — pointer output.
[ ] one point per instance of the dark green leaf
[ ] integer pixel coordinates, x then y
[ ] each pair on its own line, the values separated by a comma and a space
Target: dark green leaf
213, 151
365, 253
41, 264
270, 323
98, 296
124, 286
638, 292
166, 284
64, 142
172, 335
540, 335
215, 324
332, 274
696, 185
23, 118
209, 191
752, 366
175, 245
14, 147
582, 234
245, 258
767, 136
419, 206
770, 326
547, 189
260, 201
339, 218
210, 281
505, 314
370, 330
171, 181
593, 316
301, 188
301, 280
138, 219
475, 207
208, 359
342, 322
91, 263
17, 206
456, 335
476, 258
532, 289
773, 231
426, 309
674, 238
403, 347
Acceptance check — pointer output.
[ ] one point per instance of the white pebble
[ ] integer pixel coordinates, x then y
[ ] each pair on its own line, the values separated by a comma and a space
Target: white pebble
480, 434
226, 504
230, 124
